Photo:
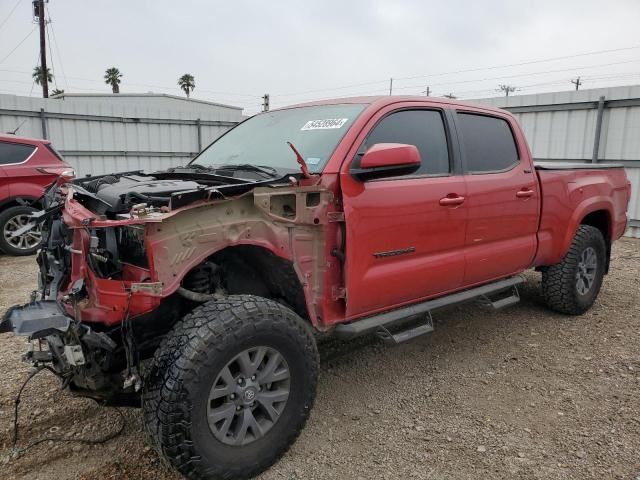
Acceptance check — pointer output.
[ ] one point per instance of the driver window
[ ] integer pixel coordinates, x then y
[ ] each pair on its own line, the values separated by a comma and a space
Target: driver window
422, 128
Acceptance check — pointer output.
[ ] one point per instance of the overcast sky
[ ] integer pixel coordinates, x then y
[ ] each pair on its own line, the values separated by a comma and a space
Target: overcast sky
305, 49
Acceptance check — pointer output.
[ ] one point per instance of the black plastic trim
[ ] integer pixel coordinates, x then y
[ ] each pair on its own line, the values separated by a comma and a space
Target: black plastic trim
371, 324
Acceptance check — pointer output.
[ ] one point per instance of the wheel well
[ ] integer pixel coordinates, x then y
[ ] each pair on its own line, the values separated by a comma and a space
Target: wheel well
249, 269
600, 220
17, 202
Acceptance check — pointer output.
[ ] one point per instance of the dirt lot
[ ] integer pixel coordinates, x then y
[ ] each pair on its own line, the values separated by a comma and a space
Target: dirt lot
522, 393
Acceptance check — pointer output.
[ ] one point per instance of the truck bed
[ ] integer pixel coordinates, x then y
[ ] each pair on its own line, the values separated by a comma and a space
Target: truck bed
570, 192
546, 165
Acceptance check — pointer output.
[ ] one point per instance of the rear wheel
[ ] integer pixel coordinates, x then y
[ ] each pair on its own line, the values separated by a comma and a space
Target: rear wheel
572, 286
236, 390
13, 219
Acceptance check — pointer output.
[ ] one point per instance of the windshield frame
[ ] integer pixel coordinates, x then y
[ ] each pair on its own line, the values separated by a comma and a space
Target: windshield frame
294, 165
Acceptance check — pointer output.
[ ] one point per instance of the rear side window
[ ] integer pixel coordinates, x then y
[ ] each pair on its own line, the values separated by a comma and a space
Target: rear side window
14, 153
488, 143
422, 128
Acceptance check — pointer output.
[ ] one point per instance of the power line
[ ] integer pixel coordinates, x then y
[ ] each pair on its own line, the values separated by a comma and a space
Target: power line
19, 43
597, 52
55, 44
565, 57
501, 77
53, 72
523, 74
6, 19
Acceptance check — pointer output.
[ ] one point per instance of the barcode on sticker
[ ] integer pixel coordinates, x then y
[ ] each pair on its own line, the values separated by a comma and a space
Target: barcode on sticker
326, 124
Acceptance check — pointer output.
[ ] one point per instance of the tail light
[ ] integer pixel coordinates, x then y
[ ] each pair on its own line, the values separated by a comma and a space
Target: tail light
67, 173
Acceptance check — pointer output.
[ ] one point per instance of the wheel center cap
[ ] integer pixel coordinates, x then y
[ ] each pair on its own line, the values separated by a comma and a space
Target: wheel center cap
249, 395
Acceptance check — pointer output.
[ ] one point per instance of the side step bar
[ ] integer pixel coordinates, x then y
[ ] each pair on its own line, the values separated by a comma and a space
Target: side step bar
383, 321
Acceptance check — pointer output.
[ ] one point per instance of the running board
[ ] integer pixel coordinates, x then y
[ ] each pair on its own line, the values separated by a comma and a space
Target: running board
504, 302
407, 334
384, 321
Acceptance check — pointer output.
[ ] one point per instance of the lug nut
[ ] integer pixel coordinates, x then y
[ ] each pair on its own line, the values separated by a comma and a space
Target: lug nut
232, 396
240, 380
253, 377
238, 408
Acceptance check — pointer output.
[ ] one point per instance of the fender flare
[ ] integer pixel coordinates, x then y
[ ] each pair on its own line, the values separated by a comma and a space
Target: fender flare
586, 207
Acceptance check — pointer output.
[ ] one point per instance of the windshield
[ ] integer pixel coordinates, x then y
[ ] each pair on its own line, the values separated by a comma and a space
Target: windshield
262, 140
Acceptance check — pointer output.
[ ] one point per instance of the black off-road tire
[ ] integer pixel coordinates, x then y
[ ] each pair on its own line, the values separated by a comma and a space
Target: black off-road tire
6, 216
176, 393
166, 353
559, 282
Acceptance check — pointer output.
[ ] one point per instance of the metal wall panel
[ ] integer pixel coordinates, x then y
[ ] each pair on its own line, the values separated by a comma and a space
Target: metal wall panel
562, 126
634, 207
109, 133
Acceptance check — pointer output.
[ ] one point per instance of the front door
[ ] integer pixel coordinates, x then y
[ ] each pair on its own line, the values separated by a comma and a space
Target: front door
405, 235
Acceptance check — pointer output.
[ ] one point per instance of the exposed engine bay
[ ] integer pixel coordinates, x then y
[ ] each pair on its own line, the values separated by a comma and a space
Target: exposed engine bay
115, 194
104, 300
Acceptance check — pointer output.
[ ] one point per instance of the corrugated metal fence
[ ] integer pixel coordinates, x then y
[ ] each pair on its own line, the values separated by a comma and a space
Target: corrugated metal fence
103, 137
600, 125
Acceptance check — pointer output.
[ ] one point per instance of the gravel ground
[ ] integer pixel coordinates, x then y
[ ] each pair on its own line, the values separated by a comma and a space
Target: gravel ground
521, 393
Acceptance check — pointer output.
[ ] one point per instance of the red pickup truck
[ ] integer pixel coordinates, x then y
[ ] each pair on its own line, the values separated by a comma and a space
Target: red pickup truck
202, 286
27, 167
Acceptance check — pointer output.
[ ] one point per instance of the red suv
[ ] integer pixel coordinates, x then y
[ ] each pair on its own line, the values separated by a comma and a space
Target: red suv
27, 166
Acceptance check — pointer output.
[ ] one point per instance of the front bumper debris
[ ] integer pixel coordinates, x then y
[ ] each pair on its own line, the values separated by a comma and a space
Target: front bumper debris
36, 320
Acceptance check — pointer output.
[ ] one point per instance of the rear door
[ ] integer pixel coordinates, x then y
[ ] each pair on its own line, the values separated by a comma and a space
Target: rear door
403, 243
503, 198
17, 168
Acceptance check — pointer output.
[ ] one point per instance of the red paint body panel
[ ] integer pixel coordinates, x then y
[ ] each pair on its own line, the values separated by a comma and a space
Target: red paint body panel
568, 197
405, 239
390, 154
24, 180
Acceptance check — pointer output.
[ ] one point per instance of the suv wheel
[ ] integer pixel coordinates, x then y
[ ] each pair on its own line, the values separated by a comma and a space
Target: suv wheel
13, 219
572, 286
235, 391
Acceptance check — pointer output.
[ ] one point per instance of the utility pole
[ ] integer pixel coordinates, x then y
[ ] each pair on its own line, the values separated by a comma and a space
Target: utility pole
427, 92
576, 82
43, 49
391, 86
507, 89
450, 96
265, 102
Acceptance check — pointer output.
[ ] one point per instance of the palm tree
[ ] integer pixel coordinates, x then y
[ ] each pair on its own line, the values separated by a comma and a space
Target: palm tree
38, 77
187, 83
112, 77
57, 91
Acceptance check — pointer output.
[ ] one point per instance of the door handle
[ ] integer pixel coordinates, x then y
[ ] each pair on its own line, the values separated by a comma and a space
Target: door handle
525, 193
451, 201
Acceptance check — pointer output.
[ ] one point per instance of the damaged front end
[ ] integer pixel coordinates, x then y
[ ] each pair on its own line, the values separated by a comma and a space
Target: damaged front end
96, 275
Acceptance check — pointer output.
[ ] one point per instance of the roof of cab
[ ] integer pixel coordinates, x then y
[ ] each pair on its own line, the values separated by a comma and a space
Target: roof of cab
384, 100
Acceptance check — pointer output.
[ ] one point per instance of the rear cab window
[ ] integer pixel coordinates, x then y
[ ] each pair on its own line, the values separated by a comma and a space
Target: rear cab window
423, 128
487, 142
13, 153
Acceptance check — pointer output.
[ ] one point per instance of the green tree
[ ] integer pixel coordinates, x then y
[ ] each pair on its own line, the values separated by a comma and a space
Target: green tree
112, 77
57, 91
38, 76
187, 83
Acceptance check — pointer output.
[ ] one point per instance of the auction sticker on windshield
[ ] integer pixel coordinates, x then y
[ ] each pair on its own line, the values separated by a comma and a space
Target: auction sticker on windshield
326, 124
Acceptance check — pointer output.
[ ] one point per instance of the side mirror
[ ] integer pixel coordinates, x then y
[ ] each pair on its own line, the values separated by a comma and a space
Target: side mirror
386, 160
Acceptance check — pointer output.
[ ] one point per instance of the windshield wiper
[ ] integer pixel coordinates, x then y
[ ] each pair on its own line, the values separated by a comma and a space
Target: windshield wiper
248, 167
